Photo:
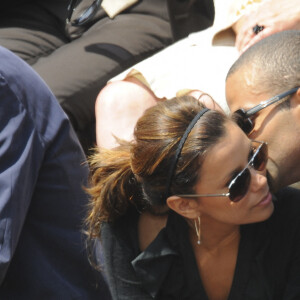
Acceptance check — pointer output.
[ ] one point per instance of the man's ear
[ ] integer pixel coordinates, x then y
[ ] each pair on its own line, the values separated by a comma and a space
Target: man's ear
295, 99
295, 104
188, 208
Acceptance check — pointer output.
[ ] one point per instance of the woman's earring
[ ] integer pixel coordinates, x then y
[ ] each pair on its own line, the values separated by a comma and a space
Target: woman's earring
197, 228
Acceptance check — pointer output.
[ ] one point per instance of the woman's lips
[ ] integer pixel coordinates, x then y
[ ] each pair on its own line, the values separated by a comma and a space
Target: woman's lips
266, 200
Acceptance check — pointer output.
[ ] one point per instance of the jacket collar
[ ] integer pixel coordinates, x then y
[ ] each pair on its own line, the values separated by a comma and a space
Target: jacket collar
153, 264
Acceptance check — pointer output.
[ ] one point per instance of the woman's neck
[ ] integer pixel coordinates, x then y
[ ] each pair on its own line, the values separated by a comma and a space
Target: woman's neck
214, 235
149, 226
216, 256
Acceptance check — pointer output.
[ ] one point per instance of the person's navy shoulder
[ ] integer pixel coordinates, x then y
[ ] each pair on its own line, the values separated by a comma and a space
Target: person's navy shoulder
25, 91
42, 250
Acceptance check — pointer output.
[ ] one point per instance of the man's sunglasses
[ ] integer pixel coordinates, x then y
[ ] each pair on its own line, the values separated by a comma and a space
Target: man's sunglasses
239, 186
85, 16
242, 116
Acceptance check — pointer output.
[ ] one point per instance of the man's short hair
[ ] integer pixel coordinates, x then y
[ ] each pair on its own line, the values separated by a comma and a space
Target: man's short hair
274, 61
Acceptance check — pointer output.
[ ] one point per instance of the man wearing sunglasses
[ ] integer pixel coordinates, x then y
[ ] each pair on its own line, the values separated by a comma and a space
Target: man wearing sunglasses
263, 93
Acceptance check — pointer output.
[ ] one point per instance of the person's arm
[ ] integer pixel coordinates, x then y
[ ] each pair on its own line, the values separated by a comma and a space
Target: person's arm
274, 15
117, 256
21, 153
118, 107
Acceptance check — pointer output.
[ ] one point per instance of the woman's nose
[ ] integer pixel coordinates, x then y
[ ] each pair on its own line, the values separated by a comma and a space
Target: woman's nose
258, 179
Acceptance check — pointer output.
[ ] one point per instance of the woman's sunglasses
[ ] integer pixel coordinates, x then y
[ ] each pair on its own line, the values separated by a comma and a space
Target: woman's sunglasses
243, 117
239, 186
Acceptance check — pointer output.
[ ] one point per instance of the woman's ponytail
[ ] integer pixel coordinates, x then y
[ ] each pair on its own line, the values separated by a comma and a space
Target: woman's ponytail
112, 187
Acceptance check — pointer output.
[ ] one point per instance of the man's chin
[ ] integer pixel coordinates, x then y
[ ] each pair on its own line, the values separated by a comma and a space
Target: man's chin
273, 182
274, 177
276, 183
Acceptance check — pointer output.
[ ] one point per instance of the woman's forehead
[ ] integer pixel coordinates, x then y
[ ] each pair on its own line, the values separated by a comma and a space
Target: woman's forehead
229, 153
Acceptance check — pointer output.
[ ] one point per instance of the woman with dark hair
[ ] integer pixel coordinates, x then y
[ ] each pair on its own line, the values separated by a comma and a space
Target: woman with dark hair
184, 211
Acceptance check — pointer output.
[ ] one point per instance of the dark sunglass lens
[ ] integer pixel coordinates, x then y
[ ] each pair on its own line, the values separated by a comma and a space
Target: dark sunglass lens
261, 158
247, 126
239, 187
240, 118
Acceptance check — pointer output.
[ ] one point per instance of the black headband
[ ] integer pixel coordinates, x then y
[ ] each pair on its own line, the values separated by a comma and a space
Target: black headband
179, 148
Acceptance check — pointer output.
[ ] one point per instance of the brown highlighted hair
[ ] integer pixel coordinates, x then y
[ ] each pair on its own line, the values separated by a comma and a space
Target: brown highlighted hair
135, 173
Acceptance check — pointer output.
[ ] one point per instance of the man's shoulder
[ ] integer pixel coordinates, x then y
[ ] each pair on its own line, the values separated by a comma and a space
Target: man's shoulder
288, 195
287, 205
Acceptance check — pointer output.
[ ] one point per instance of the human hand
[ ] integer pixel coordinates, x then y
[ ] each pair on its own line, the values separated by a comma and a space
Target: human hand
274, 15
